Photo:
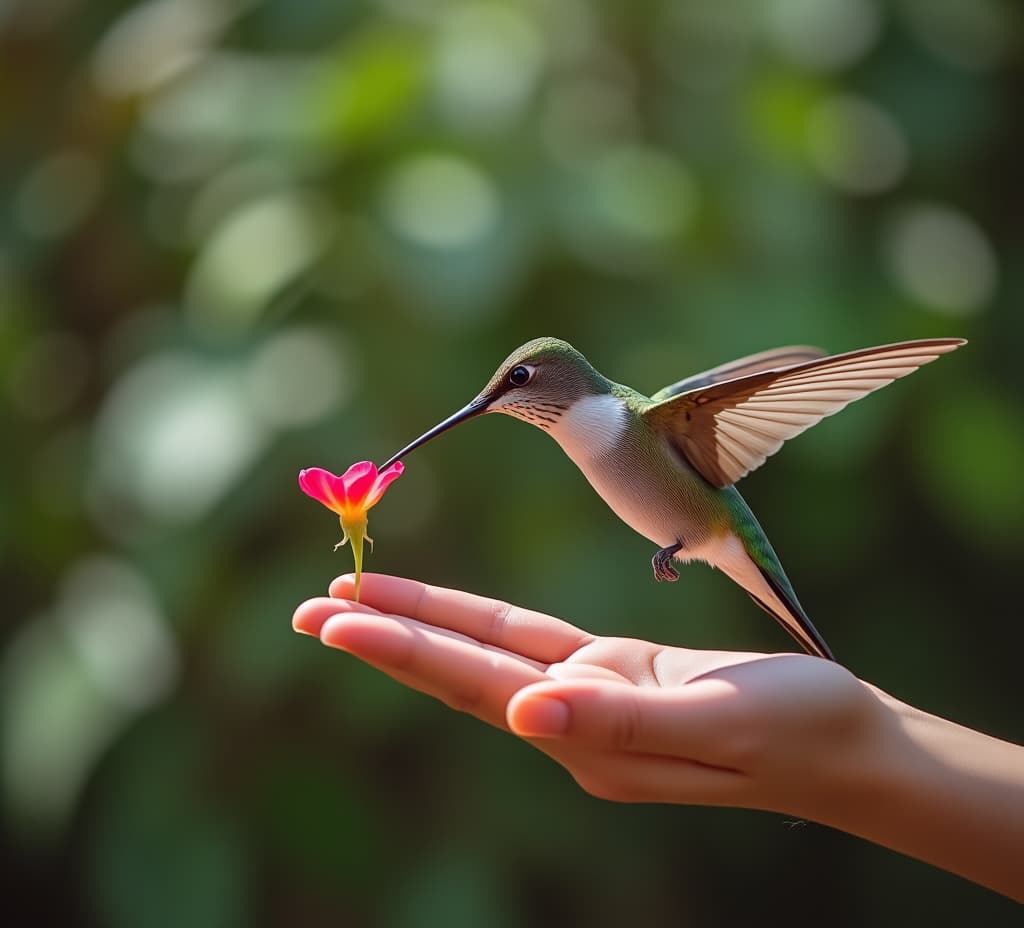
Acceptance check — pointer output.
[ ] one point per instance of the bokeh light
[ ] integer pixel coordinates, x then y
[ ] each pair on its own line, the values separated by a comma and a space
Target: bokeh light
488, 60
173, 436
856, 145
74, 678
253, 253
824, 35
941, 258
155, 41
441, 202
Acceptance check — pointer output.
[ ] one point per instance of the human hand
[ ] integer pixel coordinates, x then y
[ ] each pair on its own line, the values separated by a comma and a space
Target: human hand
640, 722
630, 720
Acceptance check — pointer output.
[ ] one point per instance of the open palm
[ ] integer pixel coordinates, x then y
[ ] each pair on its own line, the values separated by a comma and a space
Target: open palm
630, 720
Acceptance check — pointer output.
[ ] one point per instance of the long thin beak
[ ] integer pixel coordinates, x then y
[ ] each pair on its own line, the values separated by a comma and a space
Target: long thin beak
478, 406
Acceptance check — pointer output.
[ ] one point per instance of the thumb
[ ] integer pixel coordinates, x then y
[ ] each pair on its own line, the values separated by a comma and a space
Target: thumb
620, 717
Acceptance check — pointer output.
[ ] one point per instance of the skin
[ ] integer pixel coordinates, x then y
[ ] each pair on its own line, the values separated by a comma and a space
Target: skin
634, 721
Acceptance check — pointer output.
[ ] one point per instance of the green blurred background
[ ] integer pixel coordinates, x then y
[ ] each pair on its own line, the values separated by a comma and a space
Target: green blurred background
240, 238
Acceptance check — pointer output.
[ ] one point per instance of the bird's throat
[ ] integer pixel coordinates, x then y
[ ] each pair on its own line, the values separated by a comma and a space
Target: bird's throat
591, 427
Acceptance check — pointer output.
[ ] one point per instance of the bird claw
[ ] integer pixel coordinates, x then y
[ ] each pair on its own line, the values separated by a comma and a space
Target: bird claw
664, 572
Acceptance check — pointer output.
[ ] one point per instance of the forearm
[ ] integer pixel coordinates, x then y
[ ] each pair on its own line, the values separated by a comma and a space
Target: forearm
936, 791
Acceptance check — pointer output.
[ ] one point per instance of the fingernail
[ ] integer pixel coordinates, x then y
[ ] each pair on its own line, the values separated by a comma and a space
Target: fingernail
542, 717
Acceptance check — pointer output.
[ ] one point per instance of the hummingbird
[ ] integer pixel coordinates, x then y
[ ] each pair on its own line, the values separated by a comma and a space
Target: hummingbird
667, 464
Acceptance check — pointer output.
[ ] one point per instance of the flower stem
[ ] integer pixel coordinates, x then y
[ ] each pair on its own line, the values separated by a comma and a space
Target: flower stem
355, 531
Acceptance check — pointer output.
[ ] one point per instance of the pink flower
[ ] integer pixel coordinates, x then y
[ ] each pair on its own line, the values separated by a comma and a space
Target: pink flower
351, 496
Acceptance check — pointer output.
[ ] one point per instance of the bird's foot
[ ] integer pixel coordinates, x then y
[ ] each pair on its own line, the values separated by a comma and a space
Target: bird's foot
662, 564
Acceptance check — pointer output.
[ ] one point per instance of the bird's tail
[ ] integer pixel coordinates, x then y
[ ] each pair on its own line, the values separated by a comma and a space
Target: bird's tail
758, 570
793, 618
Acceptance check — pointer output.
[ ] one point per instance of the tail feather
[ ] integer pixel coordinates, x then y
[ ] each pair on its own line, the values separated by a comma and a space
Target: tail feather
795, 621
754, 565
747, 556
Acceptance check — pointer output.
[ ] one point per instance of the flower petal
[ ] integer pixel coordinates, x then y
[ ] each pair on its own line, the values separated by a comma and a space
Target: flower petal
384, 479
359, 480
323, 486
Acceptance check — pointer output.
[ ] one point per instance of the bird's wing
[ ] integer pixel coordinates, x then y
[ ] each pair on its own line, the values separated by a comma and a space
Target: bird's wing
728, 429
775, 359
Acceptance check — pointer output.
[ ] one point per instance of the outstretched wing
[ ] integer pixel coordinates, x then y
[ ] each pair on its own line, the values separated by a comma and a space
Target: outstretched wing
729, 428
773, 360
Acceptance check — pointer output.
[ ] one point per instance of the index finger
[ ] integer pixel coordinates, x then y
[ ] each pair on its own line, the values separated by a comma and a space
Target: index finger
490, 621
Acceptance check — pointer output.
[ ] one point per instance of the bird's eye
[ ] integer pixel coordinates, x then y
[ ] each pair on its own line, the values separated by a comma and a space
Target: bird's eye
519, 376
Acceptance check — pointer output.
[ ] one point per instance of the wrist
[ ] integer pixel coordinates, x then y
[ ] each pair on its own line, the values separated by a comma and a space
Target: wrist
932, 789
850, 767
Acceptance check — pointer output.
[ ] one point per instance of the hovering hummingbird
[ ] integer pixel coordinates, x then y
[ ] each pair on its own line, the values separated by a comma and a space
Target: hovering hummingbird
666, 464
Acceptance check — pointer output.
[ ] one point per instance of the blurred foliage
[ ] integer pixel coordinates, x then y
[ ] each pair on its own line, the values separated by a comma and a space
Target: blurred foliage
244, 237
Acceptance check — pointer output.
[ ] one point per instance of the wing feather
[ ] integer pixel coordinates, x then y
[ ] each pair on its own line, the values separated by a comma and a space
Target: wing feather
775, 359
727, 428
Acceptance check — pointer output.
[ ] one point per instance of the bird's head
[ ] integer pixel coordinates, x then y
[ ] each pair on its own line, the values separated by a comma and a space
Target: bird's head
538, 383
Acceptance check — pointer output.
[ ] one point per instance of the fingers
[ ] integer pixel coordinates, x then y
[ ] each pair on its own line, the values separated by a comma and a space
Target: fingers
310, 616
696, 722
462, 673
620, 741
523, 631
